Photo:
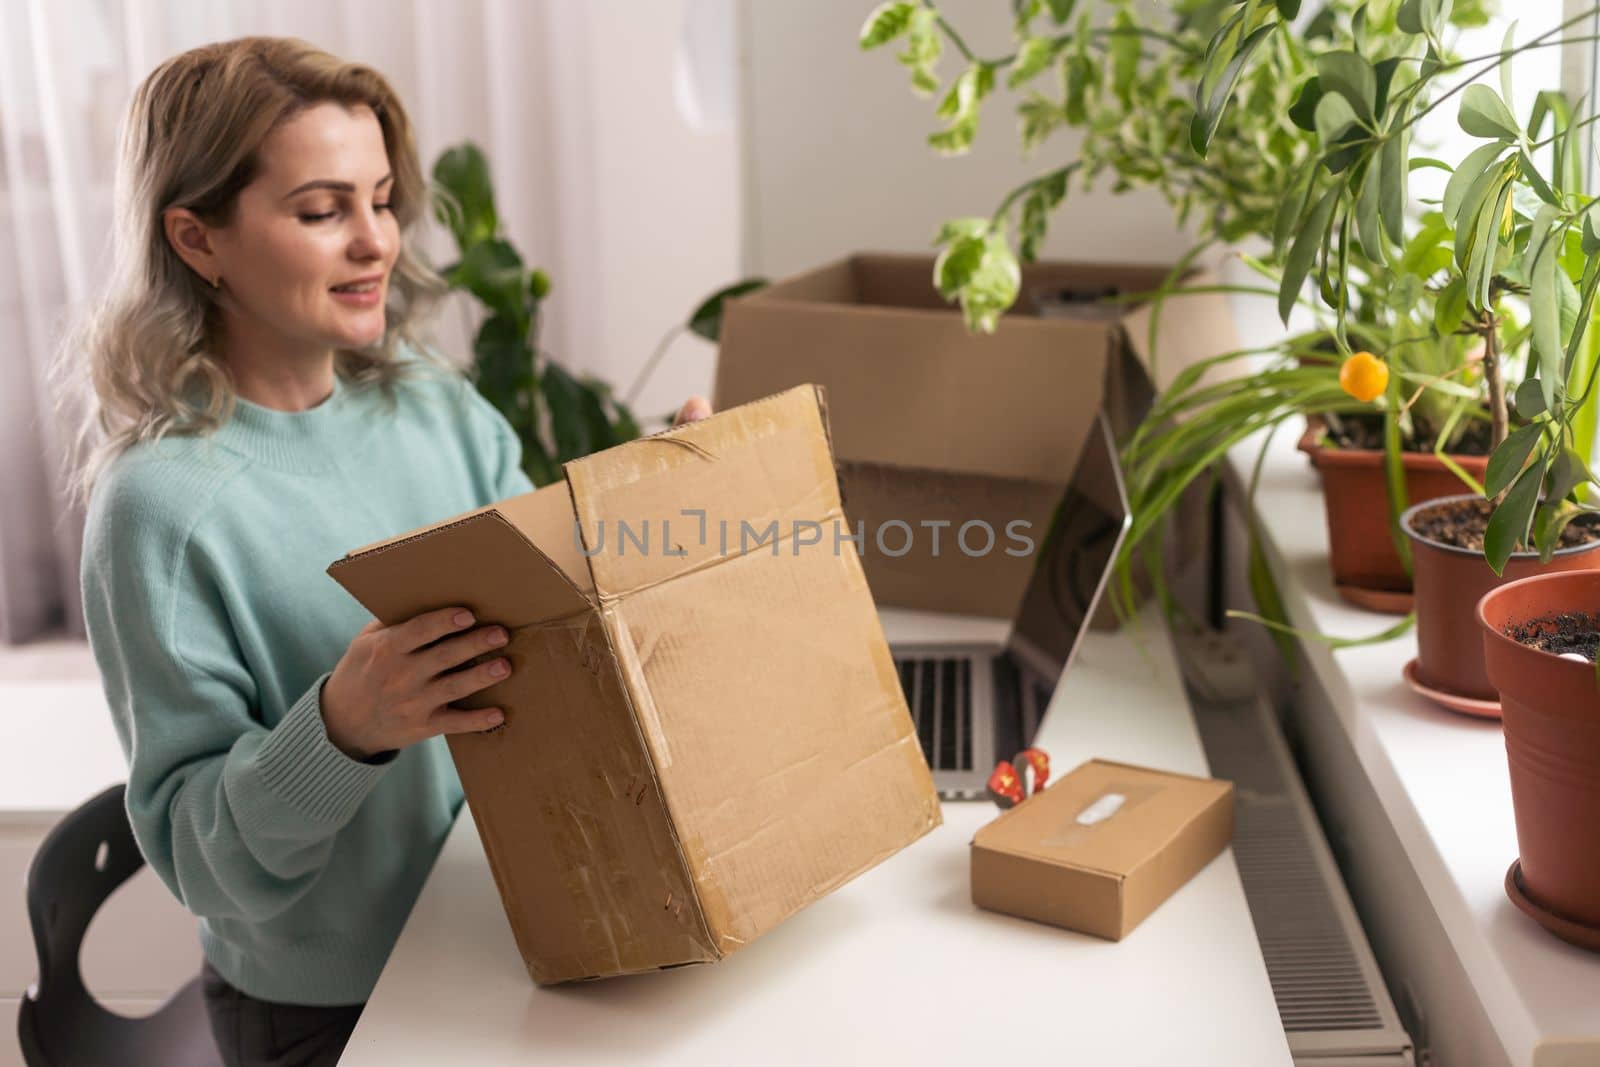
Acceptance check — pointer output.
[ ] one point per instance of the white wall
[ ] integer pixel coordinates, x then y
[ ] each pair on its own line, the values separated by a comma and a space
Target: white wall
837, 159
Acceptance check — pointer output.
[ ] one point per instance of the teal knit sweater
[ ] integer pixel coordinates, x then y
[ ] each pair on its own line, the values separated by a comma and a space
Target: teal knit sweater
214, 625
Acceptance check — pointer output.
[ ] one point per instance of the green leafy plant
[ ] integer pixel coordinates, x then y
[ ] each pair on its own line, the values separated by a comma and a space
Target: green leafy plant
558, 415
1515, 237
1210, 109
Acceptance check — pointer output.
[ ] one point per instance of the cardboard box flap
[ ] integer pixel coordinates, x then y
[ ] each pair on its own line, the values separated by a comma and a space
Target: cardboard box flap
571, 817
778, 727
482, 562
1155, 809
904, 391
695, 495
1193, 326
545, 518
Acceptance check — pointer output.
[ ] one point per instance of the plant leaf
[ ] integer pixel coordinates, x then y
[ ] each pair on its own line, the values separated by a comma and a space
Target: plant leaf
956, 265
1303, 251
1392, 178
467, 210
885, 23
564, 400
1544, 302
1034, 56
1450, 310
493, 272
1505, 61
1367, 228
1409, 16
1529, 399
706, 320
1508, 526
1484, 114
1352, 77
1208, 116
1334, 119
1466, 175
1124, 49
1567, 473
1510, 458
1591, 239
1303, 112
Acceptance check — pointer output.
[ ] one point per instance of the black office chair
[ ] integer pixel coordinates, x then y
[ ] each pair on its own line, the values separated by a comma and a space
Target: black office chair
81, 863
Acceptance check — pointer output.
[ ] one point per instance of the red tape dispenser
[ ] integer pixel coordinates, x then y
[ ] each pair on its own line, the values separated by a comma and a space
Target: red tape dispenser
1020, 778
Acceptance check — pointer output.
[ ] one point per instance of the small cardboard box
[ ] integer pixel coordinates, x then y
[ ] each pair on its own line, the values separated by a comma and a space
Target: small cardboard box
704, 730
935, 427
1040, 861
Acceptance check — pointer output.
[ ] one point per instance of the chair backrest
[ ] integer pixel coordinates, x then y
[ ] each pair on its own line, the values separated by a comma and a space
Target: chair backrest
80, 863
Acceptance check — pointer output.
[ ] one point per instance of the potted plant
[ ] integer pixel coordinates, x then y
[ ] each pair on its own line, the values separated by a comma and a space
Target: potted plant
1539, 636
1425, 424
557, 415
1524, 232
1521, 241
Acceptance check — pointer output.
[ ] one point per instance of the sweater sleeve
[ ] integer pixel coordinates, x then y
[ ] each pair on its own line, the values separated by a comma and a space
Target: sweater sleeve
237, 819
504, 447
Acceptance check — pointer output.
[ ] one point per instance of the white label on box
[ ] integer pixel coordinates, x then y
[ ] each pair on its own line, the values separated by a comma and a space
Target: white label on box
1105, 806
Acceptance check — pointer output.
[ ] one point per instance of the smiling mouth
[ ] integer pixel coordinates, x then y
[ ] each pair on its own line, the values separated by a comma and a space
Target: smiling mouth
356, 287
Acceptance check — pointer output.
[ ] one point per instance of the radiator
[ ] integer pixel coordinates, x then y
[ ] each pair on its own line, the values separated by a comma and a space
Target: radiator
1331, 997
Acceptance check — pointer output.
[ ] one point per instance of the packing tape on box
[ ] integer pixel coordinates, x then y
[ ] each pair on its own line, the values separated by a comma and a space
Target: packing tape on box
1102, 811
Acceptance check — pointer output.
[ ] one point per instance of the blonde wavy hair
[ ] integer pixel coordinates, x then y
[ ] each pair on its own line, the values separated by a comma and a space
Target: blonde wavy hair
192, 139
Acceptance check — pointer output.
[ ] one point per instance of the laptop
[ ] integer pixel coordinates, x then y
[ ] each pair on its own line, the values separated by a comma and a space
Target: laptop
979, 688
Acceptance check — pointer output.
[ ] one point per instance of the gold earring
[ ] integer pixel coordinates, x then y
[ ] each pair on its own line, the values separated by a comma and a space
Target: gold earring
216, 283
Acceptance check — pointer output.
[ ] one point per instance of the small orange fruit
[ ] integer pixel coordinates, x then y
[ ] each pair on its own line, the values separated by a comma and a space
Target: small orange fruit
1364, 376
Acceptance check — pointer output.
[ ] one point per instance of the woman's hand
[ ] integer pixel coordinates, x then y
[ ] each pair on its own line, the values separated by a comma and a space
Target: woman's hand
394, 685
693, 410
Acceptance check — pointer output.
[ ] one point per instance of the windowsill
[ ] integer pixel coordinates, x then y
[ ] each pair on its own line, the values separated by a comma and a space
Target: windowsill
1441, 779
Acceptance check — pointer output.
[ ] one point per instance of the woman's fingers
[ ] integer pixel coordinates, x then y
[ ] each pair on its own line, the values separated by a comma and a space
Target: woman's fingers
693, 410
463, 683
465, 721
455, 651
428, 627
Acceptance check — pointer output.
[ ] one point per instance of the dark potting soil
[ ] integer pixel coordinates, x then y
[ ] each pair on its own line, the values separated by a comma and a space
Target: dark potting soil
1574, 631
1462, 523
1365, 431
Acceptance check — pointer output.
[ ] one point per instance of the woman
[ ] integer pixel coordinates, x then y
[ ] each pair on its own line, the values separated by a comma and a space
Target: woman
263, 411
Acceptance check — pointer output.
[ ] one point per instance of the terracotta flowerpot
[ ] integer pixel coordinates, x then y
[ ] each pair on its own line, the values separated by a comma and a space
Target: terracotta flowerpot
1449, 582
1552, 728
1366, 568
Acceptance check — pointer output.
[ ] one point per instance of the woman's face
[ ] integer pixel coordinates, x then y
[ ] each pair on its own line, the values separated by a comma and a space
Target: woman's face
306, 258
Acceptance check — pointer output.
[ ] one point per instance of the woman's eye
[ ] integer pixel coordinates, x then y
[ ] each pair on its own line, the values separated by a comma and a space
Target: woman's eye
317, 217
383, 207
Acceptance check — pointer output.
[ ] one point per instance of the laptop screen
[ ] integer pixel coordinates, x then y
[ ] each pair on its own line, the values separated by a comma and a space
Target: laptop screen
1064, 596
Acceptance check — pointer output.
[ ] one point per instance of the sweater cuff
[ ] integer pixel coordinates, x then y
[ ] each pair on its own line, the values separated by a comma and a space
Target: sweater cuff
300, 765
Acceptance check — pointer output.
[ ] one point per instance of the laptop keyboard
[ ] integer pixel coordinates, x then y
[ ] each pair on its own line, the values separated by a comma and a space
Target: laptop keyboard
939, 692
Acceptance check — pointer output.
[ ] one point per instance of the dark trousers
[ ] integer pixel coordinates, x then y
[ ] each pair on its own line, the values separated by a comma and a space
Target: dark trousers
264, 1033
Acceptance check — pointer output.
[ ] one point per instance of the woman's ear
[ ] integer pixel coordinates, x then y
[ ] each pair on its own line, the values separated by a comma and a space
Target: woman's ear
191, 239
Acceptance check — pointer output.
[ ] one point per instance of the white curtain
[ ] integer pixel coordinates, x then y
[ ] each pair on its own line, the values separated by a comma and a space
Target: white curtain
607, 127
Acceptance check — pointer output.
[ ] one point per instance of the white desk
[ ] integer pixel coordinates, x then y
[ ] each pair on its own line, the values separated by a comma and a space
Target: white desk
1423, 798
896, 967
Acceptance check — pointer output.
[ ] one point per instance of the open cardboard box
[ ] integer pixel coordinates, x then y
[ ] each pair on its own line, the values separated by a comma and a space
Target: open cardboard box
704, 730
1059, 858
935, 427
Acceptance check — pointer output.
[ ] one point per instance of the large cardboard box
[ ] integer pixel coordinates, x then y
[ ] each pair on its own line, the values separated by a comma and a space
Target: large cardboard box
704, 730
1059, 858
935, 427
